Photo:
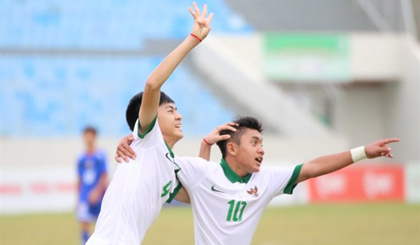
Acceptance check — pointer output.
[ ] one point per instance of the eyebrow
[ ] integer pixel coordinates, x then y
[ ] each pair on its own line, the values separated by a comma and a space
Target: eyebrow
256, 137
172, 107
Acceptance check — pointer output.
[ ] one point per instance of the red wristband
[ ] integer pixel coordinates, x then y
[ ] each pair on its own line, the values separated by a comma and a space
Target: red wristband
205, 141
199, 39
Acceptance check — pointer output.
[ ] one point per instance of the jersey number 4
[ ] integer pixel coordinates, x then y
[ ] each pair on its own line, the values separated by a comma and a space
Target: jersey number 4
236, 209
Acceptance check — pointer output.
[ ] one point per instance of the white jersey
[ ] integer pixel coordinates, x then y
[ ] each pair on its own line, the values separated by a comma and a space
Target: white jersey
226, 207
137, 191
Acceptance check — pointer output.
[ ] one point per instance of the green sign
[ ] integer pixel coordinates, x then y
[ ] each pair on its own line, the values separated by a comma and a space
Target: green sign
307, 58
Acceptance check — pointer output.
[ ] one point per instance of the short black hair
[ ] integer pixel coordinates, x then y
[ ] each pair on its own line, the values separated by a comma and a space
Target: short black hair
133, 107
90, 129
242, 124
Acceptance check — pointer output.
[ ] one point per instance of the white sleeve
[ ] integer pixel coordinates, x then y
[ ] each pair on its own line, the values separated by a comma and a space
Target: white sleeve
192, 170
150, 138
283, 180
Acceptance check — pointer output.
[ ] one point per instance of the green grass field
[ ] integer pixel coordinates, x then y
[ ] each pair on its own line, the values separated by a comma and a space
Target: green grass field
369, 224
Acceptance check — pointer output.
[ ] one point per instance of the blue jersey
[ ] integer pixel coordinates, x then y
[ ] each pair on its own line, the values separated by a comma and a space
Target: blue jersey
90, 168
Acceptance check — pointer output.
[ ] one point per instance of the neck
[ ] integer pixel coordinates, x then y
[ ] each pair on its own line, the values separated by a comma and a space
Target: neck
170, 142
236, 166
90, 148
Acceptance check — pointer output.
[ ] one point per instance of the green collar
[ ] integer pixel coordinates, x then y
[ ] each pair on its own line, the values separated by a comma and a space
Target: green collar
170, 151
231, 175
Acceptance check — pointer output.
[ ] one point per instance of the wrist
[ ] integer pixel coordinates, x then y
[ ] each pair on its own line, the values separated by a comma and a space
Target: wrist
358, 153
194, 39
206, 142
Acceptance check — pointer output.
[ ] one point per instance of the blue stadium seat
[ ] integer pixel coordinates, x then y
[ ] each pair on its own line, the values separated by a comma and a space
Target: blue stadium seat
47, 96
103, 24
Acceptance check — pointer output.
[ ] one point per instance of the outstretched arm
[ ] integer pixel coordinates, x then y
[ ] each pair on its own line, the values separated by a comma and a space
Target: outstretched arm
150, 101
331, 163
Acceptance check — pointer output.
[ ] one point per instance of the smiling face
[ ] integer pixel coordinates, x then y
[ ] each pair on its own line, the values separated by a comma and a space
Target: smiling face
170, 122
247, 156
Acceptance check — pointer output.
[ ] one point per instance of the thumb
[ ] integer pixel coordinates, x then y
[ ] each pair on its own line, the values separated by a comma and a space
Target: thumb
224, 137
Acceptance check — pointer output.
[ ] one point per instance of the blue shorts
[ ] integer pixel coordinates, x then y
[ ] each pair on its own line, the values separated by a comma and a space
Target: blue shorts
87, 212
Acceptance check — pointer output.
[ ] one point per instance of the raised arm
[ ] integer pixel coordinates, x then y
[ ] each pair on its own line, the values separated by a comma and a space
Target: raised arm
331, 163
150, 103
214, 137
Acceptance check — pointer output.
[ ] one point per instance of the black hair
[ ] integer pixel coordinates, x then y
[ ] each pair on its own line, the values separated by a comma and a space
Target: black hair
133, 107
242, 124
90, 129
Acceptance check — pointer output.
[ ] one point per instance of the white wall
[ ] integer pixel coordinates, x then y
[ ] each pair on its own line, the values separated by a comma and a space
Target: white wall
403, 104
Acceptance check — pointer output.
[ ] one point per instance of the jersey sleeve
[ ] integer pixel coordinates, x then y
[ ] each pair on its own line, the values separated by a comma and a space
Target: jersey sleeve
283, 180
79, 167
151, 137
102, 163
192, 170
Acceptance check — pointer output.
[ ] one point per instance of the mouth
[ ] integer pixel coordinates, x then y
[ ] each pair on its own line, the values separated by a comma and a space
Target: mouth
259, 160
178, 126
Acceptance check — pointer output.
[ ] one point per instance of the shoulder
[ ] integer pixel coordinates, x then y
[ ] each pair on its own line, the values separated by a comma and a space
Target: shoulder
275, 170
196, 162
100, 154
81, 157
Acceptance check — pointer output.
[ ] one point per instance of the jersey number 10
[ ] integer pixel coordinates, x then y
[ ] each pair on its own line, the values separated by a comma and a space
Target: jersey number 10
239, 210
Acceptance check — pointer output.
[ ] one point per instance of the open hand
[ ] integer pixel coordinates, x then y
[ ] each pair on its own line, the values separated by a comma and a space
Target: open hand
215, 136
201, 26
380, 148
124, 150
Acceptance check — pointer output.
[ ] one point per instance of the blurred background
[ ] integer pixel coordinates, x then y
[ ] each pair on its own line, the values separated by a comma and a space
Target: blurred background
323, 76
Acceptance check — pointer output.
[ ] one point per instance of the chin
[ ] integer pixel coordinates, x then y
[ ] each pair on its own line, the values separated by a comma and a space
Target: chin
179, 135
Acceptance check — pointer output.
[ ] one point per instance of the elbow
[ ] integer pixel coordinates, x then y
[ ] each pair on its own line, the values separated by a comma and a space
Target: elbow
151, 85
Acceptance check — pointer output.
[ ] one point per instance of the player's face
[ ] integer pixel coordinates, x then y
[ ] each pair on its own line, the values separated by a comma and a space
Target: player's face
250, 151
170, 122
89, 138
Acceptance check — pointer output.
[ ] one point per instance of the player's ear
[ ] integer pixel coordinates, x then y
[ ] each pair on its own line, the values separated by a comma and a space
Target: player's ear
231, 148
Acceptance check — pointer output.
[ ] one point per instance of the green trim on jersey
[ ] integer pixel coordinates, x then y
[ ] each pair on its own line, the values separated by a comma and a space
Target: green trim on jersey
152, 124
179, 186
170, 151
173, 194
231, 175
292, 182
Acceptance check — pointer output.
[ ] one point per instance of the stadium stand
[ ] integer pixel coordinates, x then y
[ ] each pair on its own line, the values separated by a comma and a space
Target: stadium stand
55, 60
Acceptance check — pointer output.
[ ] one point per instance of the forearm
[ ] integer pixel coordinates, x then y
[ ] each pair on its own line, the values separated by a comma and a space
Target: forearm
205, 151
169, 64
325, 165
158, 77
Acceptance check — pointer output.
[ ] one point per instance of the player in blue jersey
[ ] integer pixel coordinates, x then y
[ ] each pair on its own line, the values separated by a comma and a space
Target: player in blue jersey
92, 182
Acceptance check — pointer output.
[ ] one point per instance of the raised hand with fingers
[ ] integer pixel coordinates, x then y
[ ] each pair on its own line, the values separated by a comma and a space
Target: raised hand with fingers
214, 136
380, 148
201, 27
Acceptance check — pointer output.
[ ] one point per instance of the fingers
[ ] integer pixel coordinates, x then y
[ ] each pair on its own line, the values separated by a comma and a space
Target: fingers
192, 13
131, 152
210, 18
205, 10
130, 138
387, 141
197, 10
120, 154
117, 158
224, 137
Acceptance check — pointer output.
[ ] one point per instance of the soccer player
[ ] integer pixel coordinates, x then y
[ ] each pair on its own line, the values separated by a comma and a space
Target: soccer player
139, 188
228, 199
92, 182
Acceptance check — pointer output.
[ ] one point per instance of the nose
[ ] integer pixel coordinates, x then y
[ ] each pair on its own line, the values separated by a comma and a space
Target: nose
261, 150
178, 116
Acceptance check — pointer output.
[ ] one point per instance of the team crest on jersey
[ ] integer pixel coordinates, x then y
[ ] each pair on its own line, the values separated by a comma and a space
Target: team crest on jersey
253, 192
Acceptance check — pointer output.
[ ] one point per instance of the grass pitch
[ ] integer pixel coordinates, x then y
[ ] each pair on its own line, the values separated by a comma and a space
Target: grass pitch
344, 224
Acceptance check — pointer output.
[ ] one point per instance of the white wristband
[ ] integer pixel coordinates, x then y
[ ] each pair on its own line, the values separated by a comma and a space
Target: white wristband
358, 153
